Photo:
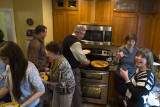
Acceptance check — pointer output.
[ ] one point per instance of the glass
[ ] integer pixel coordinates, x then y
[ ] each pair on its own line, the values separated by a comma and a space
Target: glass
124, 67
126, 5
59, 3
72, 3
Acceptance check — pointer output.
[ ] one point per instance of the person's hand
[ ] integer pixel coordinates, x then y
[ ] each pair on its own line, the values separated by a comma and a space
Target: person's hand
158, 56
45, 82
1, 77
120, 54
46, 69
42, 73
158, 96
124, 74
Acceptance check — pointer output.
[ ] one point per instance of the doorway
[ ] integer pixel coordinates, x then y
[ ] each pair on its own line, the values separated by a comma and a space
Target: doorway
7, 24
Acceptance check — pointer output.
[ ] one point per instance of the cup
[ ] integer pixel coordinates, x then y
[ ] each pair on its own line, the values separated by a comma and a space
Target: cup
124, 67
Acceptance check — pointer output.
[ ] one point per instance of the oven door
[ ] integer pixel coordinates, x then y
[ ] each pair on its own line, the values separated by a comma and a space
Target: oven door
94, 76
94, 92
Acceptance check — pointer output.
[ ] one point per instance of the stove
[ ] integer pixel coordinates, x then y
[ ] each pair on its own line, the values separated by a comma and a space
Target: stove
95, 80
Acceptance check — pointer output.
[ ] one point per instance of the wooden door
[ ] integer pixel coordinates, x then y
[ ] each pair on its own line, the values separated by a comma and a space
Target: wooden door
87, 11
59, 25
145, 33
156, 39
104, 12
71, 21
123, 23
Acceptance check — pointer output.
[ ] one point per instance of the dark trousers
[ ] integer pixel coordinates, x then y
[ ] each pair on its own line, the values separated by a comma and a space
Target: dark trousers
77, 96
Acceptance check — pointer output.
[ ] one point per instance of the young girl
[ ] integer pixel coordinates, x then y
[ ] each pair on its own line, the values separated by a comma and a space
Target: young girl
142, 81
22, 77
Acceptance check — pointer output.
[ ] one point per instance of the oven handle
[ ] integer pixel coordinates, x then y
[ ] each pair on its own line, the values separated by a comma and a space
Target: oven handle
102, 85
95, 73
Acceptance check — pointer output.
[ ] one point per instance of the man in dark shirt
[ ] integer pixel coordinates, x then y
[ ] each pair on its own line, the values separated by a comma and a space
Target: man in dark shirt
72, 51
36, 49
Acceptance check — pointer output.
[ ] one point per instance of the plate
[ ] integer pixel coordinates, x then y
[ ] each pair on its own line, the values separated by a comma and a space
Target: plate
45, 77
10, 104
99, 63
86, 51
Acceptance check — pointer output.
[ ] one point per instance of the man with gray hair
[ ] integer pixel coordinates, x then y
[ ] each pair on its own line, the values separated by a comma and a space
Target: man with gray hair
72, 51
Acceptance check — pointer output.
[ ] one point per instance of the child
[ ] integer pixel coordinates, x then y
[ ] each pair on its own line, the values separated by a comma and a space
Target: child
142, 81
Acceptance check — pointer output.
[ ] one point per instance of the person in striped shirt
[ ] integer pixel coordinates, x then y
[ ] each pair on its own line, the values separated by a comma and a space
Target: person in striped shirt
141, 82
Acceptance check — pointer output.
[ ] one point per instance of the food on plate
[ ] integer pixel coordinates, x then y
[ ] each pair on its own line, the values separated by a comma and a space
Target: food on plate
45, 77
86, 51
10, 104
99, 63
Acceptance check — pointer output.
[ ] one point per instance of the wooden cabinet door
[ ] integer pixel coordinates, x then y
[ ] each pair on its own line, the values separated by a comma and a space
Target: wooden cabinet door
87, 11
71, 21
156, 39
59, 4
123, 23
65, 4
145, 33
59, 25
126, 5
104, 12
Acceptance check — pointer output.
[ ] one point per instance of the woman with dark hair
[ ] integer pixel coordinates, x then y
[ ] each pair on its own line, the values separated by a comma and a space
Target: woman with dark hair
23, 81
61, 76
125, 58
3, 73
142, 81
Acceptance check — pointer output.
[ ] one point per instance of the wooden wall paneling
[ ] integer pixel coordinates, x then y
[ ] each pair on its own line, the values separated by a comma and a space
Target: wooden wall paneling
123, 23
59, 25
87, 11
104, 12
145, 33
156, 39
71, 21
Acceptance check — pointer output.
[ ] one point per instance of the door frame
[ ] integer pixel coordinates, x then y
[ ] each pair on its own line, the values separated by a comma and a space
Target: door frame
10, 25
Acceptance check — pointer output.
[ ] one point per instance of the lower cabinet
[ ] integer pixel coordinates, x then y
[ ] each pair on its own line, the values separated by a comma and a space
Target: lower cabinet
64, 23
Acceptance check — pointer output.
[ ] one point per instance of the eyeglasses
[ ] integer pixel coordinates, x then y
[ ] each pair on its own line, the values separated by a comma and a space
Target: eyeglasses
81, 33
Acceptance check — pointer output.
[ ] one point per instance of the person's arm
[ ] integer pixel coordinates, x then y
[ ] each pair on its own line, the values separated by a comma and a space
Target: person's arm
33, 53
118, 56
76, 49
3, 92
33, 98
35, 80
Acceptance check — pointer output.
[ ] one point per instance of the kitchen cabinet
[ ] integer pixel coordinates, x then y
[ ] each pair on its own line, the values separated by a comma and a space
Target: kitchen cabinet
149, 6
145, 33
64, 23
156, 39
126, 5
66, 4
123, 23
96, 12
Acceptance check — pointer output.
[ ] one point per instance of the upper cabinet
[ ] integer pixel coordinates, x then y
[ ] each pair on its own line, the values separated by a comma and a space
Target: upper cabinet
126, 5
66, 4
96, 12
149, 6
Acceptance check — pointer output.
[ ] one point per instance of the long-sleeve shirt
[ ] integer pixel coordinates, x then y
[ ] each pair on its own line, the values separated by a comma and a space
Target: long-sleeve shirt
31, 84
37, 54
3, 73
76, 49
142, 82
